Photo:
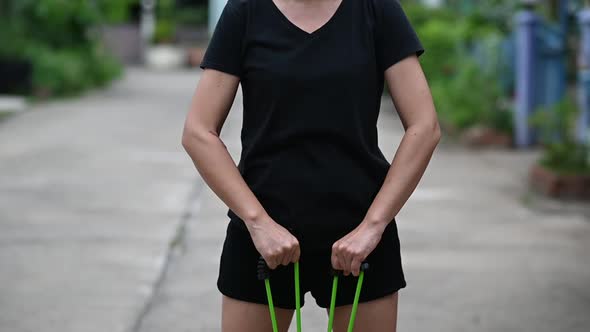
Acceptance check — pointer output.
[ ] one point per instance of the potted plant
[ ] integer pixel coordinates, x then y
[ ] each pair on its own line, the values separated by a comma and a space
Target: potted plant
564, 168
164, 54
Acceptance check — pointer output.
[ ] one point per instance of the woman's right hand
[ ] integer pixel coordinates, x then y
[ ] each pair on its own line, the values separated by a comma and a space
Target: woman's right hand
274, 243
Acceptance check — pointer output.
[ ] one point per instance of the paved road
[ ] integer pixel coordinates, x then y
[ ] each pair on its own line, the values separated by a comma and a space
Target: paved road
105, 226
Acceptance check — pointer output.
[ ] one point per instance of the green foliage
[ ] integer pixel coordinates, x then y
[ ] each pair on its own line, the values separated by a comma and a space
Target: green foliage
471, 97
556, 129
440, 39
556, 122
447, 35
166, 23
420, 14
566, 158
462, 63
164, 32
56, 37
498, 13
57, 23
116, 11
70, 71
193, 15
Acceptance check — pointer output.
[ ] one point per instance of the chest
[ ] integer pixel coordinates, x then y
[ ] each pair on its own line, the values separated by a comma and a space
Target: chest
309, 17
341, 51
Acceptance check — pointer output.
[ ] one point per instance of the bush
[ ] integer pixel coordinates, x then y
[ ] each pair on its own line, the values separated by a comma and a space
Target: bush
566, 158
448, 36
469, 98
70, 71
117, 11
166, 23
55, 37
462, 65
441, 40
556, 127
164, 32
56, 23
193, 15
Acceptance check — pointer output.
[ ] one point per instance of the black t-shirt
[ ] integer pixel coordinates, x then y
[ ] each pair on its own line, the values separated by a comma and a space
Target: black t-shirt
311, 103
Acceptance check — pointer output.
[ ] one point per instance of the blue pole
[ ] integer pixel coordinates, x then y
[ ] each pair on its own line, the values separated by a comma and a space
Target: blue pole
526, 77
552, 55
583, 132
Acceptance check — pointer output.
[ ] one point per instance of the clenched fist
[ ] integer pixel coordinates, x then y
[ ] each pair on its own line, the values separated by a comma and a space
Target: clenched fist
274, 243
349, 252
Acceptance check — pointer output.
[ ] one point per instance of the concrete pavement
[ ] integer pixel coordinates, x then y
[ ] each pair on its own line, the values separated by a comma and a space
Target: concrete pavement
92, 191
105, 226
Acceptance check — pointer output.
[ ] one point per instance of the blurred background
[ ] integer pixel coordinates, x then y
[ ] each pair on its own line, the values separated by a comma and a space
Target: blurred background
106, 226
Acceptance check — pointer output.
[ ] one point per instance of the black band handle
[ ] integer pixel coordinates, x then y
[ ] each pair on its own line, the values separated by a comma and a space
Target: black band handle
262, 269
364, 267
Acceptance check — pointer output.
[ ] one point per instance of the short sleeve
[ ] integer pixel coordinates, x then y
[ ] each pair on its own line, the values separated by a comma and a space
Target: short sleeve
395, 37
224, 52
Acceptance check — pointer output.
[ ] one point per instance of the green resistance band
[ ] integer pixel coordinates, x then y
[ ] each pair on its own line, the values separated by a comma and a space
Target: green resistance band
271, 306
264, 274
355, 304
297, 298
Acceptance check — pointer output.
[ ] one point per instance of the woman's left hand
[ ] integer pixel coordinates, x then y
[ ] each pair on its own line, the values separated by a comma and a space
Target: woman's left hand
349, 252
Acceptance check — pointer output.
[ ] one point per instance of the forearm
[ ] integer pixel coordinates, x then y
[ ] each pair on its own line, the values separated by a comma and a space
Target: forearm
408, 167
219, 171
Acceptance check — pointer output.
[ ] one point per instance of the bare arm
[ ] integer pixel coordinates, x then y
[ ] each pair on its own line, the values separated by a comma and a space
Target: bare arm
209, 109
210, 106
413, 101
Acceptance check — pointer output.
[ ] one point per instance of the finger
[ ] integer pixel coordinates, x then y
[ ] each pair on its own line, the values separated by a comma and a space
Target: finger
290, 251
286, 255
356, 266
296, 254
272, 262
347, 257
291, 255
344, 265
335, 262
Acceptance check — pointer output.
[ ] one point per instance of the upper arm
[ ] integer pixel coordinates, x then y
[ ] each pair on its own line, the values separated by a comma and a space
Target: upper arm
410, 93
222, 66
398, 48
212, 101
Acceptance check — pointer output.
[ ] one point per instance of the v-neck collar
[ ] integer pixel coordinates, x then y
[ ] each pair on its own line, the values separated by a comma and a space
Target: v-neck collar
299, 29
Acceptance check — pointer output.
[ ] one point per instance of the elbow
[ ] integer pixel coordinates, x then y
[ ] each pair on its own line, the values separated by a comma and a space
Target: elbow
436, 133
192, 138
428, 132
185, 141
187, 138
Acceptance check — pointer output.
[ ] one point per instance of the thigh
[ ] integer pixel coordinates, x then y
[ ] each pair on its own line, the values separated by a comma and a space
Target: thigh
240, 316
374, 316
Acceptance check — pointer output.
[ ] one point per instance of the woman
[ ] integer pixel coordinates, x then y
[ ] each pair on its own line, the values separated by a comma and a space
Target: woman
311, 185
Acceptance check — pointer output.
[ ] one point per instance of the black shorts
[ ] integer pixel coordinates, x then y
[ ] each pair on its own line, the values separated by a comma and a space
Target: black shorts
238, 275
